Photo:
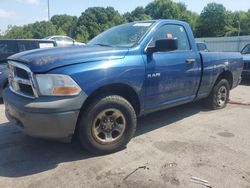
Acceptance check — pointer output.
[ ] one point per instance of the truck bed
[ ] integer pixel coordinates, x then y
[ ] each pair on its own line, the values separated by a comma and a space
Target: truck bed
213, 63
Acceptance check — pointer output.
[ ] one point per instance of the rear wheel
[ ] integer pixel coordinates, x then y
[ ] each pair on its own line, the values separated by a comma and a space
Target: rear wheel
219, 96
107, 125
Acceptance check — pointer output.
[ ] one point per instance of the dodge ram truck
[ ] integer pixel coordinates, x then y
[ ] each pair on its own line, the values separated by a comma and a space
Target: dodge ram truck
97, 91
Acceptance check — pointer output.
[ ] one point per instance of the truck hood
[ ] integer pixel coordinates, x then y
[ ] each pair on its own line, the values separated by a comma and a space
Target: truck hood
43, 60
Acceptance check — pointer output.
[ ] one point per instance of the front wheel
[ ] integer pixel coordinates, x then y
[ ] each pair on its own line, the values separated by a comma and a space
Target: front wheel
219, 96
107, 125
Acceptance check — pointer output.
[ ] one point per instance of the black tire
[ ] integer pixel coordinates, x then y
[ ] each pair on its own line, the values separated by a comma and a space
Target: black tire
90, 141
212, 102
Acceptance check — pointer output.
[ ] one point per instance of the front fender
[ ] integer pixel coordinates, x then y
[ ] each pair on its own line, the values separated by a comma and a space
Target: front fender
94, 75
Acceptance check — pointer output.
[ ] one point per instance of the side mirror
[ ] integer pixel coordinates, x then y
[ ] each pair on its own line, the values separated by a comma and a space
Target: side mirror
166, 45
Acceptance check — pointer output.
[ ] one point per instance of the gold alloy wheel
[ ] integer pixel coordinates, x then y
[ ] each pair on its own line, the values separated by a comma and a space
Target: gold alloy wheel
108, 126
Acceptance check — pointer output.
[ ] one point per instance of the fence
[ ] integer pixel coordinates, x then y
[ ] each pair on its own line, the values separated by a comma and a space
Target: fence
225, 44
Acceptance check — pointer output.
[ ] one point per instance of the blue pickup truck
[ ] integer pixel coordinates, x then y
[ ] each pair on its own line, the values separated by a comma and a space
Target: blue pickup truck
97, 91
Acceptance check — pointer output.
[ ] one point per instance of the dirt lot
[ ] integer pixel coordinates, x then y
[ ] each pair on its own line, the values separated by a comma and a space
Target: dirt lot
170, 147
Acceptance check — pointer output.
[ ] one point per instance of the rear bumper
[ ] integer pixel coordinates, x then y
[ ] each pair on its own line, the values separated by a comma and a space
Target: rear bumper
48, 117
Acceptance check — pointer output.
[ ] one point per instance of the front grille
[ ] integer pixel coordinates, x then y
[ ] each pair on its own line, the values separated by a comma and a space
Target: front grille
21, 80
22, 73
246, 65
26, 89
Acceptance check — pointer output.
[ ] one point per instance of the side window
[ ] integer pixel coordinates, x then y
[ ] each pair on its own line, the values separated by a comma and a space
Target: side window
57, 38
7, 47
67, 39
172, 31
246, 50
26, 45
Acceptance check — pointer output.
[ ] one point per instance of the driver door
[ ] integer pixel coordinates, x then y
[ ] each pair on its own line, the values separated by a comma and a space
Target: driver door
171, 77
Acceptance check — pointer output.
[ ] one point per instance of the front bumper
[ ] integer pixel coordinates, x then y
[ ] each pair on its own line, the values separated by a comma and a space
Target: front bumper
45, 117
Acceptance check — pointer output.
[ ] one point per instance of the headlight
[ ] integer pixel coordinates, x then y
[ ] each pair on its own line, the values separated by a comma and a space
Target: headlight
56, 85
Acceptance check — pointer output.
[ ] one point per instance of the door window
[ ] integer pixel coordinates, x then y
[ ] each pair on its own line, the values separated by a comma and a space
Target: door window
172, 31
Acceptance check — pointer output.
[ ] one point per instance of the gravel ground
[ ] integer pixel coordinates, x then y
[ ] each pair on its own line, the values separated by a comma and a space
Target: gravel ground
169, 148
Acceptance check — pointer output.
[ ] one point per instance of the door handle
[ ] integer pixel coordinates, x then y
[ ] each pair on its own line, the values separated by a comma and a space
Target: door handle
190, 61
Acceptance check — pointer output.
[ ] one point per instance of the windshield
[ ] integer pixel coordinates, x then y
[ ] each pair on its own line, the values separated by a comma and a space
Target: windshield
127, 35
246, 50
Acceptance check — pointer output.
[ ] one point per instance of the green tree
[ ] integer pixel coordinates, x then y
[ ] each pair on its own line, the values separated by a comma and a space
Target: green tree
36, 30
187, 16
245, 22
65, 24
96, 20
60, 31
41, 29
167, 9
82, 34
17, 32
237, 23
138, 14
163, 9
212, 21
232, 23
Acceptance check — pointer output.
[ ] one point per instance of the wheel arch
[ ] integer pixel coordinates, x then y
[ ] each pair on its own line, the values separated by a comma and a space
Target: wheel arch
120, 89
226, 74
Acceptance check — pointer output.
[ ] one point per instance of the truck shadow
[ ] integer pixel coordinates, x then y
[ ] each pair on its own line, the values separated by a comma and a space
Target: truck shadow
21, 155
163, 118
